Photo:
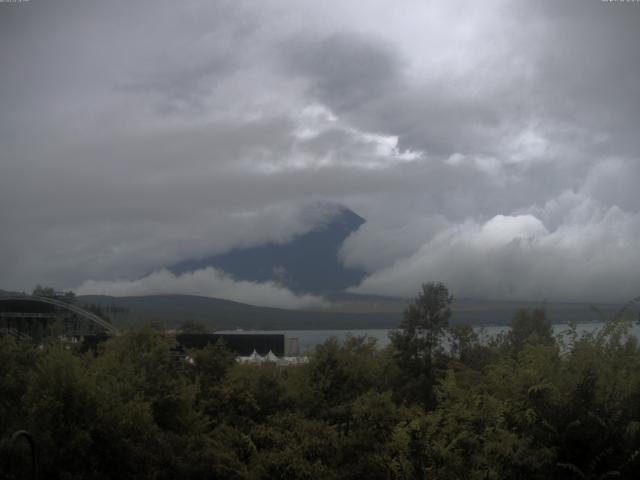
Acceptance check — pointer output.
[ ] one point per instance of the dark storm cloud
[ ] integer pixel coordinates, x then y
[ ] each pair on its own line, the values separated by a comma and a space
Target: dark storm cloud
345, 70
490, 145
363, 79
570, 70
184, 89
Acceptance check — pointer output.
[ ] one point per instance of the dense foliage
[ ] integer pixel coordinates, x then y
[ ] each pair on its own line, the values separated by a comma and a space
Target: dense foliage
438, 403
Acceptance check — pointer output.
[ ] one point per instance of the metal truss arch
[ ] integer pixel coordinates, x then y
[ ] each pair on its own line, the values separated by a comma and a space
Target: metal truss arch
110, 329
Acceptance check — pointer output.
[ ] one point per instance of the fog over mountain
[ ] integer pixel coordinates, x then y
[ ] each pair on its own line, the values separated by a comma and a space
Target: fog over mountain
491, 145
304, 271
308, 263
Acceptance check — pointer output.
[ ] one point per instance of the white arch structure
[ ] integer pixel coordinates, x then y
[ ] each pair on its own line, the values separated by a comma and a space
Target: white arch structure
110, 329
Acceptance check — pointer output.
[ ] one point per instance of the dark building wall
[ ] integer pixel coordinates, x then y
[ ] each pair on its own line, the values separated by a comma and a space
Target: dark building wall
26, 306
242, 344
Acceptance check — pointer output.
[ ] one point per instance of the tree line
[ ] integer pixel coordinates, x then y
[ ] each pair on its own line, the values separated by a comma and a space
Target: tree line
438, 403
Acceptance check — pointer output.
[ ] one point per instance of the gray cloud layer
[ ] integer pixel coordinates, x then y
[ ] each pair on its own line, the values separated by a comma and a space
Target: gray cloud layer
492, 145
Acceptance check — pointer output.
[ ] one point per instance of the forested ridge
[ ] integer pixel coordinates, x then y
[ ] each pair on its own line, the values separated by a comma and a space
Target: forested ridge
526, 404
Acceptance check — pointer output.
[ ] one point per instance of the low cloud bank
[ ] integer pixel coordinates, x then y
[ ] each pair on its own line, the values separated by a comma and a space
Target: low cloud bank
591, 256
207, 282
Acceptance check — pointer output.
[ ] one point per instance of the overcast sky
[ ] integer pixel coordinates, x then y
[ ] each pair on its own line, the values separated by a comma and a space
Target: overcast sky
492, 145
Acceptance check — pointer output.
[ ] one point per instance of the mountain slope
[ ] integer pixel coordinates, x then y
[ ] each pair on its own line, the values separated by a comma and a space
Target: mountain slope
172, 310
307, 264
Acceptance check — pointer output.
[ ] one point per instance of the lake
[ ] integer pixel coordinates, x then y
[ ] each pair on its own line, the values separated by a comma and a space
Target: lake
308, 339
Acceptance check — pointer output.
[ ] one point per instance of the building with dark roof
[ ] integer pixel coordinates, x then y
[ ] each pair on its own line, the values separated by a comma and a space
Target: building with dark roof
243, 343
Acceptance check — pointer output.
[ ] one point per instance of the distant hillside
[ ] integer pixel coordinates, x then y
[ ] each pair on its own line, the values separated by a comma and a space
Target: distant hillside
307, 264
172, 310
6, 293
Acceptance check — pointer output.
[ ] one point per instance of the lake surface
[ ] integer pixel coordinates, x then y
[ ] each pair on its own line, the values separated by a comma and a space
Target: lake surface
308, 339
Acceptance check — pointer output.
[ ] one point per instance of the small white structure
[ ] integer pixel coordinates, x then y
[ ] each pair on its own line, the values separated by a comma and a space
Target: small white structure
291, 348
270, 357
256, 359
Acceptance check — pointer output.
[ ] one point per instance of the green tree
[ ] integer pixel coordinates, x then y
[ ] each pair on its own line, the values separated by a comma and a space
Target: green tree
469, 435
189, 326
366, 448
252, 393
463, 341
146, 396
417, 340
68, 296
291, 446
211, 366
213, 362
41, 291
17, 361
337, 374
62, 407
530, 326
